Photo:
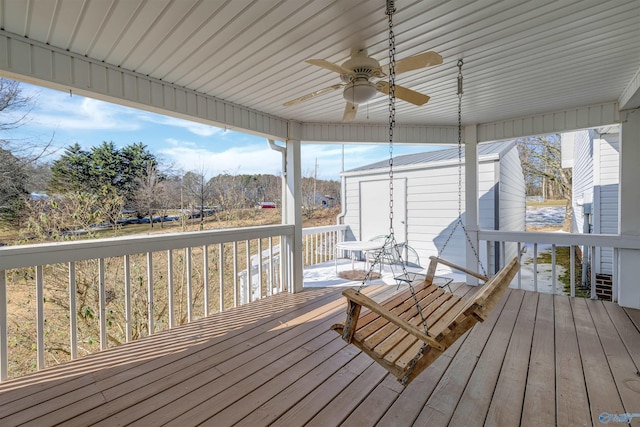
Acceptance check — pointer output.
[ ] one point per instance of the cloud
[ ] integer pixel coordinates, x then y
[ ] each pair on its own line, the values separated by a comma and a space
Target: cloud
57, 110
193, 127
254, 156
253, 159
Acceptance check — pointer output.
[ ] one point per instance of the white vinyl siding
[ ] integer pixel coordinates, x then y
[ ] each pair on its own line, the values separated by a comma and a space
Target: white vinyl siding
607, 161
595, 179
512, 202
432, 202
582, 177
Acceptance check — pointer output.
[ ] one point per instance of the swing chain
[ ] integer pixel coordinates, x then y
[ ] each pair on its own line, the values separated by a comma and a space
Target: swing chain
392, 105
460, 63
412, 364
459, 221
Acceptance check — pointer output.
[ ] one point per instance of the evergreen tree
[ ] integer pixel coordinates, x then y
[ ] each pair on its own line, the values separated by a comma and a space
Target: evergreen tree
104, 170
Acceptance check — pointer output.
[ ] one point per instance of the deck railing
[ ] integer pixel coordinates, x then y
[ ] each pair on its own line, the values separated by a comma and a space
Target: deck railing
319, 243
119, 289
588, 258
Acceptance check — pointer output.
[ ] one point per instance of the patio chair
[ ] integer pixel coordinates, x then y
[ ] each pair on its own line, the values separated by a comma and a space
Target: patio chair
393, 256
389, 332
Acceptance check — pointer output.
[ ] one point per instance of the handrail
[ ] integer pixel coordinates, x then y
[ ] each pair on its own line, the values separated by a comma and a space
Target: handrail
62, 252
562, 239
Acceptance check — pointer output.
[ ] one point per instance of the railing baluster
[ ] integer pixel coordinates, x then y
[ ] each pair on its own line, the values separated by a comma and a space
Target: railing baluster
187, 258
535, 267
306, 250
73, 327
488, 250
170, 290
592, 249
520, 269
271, 275
102, 305
221, 274
150, 310
314, 254
205, 272
614, 277
235, 273
127, 297
247, 248
4, 338
40, 317
572, 256
553, 269
260, 268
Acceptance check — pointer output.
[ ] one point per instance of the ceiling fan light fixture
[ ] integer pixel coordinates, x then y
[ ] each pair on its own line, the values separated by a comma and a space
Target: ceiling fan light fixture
359, 91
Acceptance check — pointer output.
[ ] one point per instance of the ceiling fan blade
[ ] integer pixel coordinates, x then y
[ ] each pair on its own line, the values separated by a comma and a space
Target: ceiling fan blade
350, 111
415, 98
415, 62
312, 95
329, 66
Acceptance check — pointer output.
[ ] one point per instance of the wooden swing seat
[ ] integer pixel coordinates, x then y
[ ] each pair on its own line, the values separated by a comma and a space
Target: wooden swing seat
392, 334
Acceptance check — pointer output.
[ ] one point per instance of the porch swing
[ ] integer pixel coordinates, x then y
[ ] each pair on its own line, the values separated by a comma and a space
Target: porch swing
411, 329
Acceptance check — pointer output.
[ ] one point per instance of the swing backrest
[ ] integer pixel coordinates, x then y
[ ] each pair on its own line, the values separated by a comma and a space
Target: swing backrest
489, 293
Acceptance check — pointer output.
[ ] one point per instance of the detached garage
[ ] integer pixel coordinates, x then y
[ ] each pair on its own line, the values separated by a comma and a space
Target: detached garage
425, 199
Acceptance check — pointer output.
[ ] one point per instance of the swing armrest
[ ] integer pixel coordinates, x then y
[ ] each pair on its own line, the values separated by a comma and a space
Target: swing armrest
435, 261
362, 300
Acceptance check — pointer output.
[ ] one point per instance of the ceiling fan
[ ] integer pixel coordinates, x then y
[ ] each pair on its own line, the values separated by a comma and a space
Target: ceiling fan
358, 74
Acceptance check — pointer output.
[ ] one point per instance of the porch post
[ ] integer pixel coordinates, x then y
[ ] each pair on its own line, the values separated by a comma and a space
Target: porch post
292, 215
471, 198
629, 200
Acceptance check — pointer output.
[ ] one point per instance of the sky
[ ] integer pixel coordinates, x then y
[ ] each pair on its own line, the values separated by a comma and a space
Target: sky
188, 146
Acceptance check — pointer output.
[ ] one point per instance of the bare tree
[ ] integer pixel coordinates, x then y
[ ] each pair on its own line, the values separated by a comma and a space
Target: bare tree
17, 156
198, 191
542, 167
149, 191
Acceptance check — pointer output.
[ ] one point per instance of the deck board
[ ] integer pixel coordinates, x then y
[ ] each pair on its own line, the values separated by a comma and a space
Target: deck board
572, 400
601, 388
554, 359
439, 409
512, 381
619, 361
476, 398
539, 407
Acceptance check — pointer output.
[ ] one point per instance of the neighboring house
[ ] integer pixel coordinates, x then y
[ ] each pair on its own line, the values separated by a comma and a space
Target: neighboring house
594, 156
425, 199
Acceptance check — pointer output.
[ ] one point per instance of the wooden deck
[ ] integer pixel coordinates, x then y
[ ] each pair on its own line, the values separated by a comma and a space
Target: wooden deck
539, 360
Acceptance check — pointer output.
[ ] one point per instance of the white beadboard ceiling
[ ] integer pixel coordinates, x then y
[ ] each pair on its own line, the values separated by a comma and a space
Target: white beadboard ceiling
521, 58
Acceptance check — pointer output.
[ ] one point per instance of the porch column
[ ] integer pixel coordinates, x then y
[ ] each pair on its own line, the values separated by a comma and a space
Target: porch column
471, 198
292, 214
629, 199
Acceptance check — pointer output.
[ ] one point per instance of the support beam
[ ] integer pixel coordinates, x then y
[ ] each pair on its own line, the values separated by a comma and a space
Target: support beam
38, 63
577, 118
630, 97
378, 133
471, 199
629, 199
292, 215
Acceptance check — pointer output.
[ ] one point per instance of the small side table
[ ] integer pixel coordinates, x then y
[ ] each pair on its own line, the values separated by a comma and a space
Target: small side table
353, 246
